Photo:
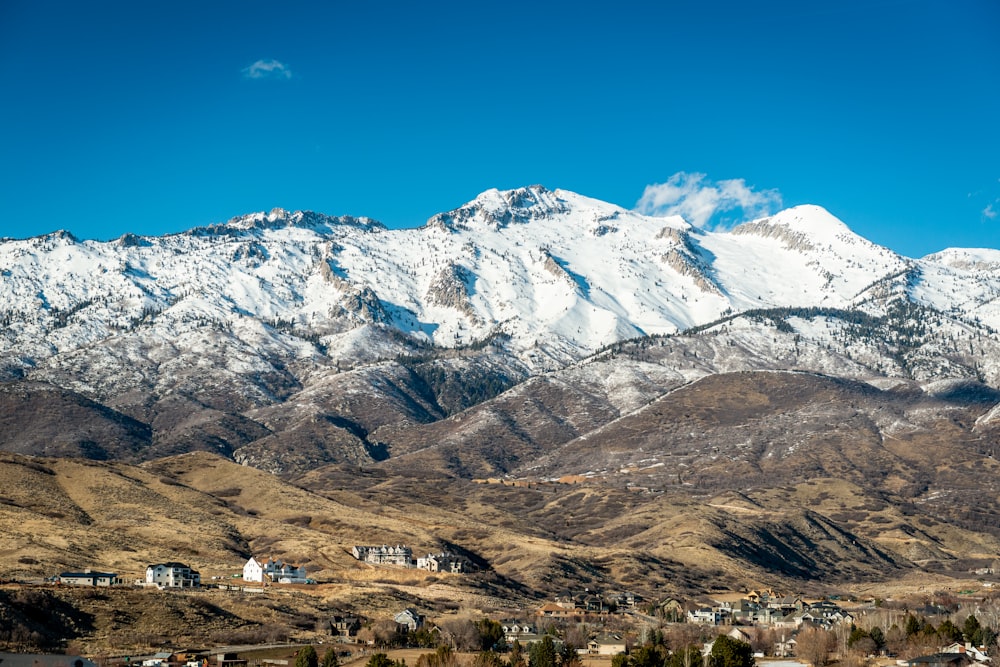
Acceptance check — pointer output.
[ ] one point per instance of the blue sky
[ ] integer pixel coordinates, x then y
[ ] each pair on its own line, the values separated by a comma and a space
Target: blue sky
153, 117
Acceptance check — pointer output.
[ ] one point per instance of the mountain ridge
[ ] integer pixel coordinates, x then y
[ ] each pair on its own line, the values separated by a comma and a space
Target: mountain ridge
340, 335
535, 368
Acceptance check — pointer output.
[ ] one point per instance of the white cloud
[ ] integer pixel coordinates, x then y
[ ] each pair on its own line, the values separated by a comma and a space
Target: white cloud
700, 201
990, 212
267, 69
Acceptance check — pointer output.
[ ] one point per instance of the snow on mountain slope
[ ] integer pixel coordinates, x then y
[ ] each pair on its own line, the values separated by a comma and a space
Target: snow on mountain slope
803, 256
965, 282
553, 274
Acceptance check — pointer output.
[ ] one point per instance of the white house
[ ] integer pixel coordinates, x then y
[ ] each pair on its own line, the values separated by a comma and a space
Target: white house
90, 578
704, 616
520, 632
409, 619
785, 647
172, 575
968, 649
273, 570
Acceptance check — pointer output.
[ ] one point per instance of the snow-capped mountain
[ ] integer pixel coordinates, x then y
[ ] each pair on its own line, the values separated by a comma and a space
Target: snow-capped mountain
240, 316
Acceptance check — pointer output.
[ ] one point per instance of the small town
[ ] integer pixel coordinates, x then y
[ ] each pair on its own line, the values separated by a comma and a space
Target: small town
580, 629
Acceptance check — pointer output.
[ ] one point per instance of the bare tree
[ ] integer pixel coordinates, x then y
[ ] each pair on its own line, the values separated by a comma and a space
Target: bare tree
763, 640
814, 644
461, 634
577, 634
679, 635
386, 632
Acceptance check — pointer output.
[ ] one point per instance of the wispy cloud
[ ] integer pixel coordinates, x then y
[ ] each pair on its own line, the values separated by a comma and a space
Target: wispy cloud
992, 196
267, 69
704, 202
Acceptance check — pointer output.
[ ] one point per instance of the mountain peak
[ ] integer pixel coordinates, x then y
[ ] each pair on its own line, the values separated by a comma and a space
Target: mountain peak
808, 218
801, 227
498, 208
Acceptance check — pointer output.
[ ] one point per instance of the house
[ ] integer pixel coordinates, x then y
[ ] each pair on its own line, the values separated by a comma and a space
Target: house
704, 616
345, 626
519, 632
789, 622
744, 610
590, 603
172, 575
607, 644
400, 555
785, 647
408, 619
822, 614
786, 605
90, 578
671, 610
442, 562
556, 610
968, 649
761, 597
739, 635
229, 660
625, 599
272, 570
941, 660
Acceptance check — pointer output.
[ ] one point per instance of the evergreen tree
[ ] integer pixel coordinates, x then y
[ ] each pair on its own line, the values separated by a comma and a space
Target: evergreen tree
307, 657
986, 637
949, 632
490, 634
729, 652
970, 628
543, 653
857, 634
568, 657
330, 658
649, 655
878, 637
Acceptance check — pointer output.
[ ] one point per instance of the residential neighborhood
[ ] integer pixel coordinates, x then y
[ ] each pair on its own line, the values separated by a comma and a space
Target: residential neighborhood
595, 624
767, 609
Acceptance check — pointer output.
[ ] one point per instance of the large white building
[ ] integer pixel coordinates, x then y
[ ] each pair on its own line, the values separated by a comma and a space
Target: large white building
272, 571
400, 555
172, 575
